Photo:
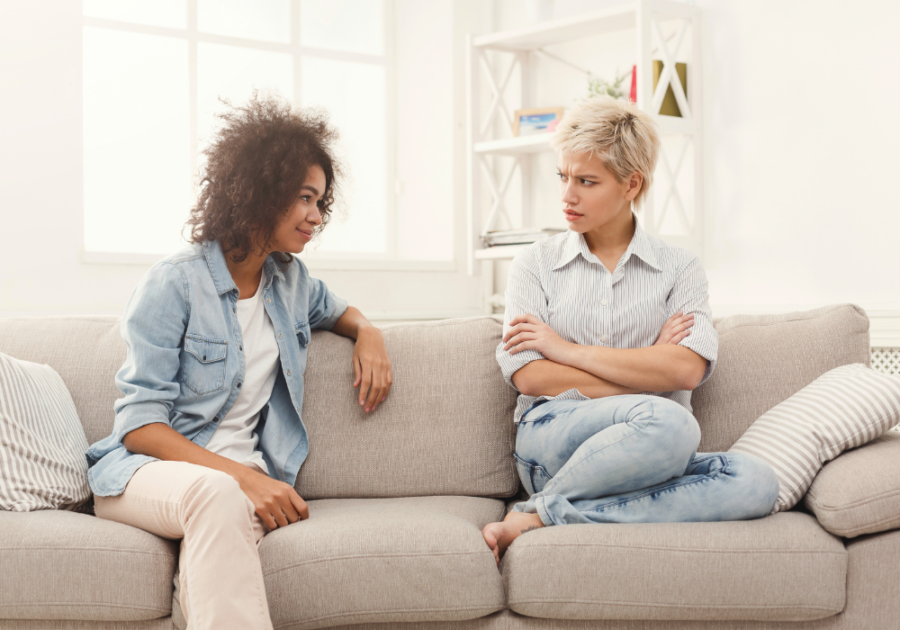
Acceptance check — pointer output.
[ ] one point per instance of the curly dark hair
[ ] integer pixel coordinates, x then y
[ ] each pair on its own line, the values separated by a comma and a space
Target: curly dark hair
255, 167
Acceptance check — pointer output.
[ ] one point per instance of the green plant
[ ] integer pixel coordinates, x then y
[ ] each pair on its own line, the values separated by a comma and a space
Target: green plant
598, 86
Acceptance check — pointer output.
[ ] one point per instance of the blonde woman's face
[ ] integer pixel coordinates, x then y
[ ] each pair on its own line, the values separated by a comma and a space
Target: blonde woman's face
591, 197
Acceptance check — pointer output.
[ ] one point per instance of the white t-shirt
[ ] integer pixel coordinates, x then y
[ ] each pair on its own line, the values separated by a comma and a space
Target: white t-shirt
234, 437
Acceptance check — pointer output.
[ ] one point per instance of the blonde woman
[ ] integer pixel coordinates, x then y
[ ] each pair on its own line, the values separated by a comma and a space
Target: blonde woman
607, 331
208, 437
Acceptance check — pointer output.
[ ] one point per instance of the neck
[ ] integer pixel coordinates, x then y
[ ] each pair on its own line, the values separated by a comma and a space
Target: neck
247, 271
615, 235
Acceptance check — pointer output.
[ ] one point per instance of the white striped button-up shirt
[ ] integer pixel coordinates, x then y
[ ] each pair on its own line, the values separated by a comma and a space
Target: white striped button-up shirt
559, 281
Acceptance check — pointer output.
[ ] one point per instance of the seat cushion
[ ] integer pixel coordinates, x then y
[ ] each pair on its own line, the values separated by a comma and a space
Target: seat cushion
764, 359
63, 565
445, 428
859, 492
383, 560
782, 567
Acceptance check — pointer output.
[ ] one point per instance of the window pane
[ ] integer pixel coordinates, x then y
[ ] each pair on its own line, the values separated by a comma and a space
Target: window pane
267, 20
167, 13
347, 25
137, 188
233, 72
354, 94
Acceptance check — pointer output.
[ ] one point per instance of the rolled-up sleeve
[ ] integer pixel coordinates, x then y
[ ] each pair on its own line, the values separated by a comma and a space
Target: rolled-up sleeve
152, 327
524, 296
325, 308
690, 295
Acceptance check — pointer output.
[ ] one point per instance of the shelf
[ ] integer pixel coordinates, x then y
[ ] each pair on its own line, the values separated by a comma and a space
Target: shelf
537, 143
562, 30
499, 252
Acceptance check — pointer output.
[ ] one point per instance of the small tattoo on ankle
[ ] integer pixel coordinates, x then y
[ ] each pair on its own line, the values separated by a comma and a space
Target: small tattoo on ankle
528, 529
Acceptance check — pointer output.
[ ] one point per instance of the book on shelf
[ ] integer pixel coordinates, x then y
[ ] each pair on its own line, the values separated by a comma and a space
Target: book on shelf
518, 237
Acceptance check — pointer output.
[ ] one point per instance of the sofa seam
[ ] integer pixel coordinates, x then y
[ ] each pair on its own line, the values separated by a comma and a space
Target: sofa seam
649, 548
28, 549
84, 604
659, 605
836, 508
798, 319
375, 557
394, 610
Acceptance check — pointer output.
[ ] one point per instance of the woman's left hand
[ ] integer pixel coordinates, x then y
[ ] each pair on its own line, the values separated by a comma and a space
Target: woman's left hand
371, 367
527, 332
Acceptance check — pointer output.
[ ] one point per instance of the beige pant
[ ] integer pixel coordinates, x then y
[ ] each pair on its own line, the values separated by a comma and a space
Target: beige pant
220, 577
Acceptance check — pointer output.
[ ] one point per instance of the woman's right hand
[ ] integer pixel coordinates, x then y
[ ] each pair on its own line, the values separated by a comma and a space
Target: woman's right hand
675, 329
276, 502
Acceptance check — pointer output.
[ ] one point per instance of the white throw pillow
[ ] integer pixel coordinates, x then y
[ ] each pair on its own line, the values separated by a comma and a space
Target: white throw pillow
844, 408
42, 442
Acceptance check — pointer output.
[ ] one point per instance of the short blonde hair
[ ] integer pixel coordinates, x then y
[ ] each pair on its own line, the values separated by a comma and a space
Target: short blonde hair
621, 135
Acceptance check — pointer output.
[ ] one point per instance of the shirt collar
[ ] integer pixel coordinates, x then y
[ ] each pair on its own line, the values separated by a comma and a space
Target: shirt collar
640, 246
219, 269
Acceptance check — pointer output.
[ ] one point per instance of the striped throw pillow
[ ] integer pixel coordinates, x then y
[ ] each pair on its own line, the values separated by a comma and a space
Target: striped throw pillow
42, 442
844, 408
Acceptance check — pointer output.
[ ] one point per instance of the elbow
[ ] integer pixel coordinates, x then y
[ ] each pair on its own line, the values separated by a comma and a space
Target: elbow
692, 376
524, 384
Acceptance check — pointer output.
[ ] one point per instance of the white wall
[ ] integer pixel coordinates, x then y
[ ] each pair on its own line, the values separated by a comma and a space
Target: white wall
801, 137
802, 148
42, 270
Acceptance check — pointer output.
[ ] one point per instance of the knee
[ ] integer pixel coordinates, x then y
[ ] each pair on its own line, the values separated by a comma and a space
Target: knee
678, 428
220, 495
759, 483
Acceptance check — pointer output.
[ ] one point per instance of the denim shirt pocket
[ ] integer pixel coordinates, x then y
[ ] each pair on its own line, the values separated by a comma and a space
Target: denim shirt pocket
203, 364
302, 331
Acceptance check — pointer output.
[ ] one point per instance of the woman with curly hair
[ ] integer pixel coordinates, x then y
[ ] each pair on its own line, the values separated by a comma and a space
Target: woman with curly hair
208, 437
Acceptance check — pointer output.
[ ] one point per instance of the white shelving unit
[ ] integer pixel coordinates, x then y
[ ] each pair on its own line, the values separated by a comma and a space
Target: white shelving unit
646, 18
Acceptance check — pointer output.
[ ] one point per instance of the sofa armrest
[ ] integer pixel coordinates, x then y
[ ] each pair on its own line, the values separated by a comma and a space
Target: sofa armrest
858, 492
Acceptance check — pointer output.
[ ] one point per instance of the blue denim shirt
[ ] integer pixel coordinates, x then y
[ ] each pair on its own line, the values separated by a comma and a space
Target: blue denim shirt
185, 360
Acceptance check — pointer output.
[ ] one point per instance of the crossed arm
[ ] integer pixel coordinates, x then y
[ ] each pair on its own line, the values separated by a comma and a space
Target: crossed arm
598, 372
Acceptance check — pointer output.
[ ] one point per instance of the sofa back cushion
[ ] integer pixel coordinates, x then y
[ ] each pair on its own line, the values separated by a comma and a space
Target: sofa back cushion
85, 351
764, 359
445, 428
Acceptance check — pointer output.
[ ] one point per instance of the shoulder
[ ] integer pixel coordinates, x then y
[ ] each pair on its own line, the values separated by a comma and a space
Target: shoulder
541, 255
672, 257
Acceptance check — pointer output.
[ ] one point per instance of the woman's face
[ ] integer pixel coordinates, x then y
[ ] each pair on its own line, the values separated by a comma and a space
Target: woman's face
296, 228
592, 198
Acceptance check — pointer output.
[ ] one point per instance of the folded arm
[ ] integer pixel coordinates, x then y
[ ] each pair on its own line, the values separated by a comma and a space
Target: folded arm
662, 367
547, 378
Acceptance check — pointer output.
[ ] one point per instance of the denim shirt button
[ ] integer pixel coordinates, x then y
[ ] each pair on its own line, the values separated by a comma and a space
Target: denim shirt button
241, 348
238, 385
288, 372
279, 335
269, 300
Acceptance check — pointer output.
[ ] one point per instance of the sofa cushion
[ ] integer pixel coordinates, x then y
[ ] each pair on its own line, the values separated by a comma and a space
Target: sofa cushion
844, 408
859, 492
383, 560
445, 428
764, 359
85, 351
63, 565
782, 567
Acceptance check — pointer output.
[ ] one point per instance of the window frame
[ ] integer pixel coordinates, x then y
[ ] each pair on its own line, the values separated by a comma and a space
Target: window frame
322, 260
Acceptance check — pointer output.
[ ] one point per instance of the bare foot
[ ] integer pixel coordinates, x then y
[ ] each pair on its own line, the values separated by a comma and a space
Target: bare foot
499, 536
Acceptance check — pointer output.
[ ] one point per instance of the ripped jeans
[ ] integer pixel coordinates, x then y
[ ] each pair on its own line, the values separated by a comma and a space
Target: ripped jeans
632, 459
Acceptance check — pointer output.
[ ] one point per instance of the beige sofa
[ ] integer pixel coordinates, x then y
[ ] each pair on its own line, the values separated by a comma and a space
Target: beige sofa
397, 500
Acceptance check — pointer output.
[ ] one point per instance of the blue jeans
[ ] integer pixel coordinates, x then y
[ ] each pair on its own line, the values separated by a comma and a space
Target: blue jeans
632, 459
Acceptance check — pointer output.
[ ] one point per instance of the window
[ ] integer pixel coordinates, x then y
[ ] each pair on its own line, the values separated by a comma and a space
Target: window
154, 71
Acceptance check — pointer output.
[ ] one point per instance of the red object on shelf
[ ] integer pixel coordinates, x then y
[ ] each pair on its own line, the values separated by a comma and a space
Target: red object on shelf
633, 95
